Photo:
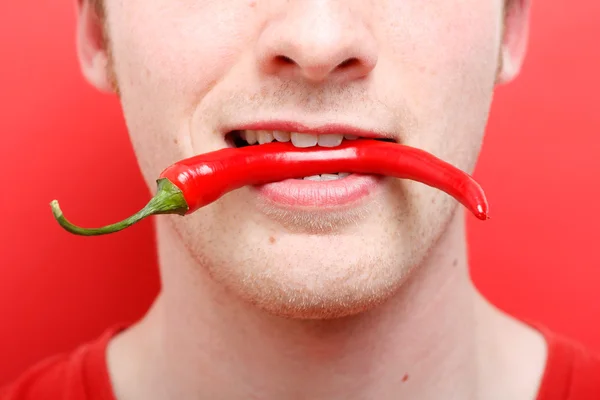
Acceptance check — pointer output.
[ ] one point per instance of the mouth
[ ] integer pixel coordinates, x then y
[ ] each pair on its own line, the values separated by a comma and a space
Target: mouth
325, 190
247, 137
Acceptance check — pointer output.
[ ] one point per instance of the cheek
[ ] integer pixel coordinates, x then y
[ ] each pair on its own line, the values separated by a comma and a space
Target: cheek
440, 32
442, 61
167, 56
174, 43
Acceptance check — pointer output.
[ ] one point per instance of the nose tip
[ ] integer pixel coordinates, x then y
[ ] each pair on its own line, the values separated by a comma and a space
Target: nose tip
349, 68
317, 46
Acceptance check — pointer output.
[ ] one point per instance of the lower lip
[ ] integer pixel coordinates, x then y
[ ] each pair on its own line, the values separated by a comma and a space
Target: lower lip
307, 193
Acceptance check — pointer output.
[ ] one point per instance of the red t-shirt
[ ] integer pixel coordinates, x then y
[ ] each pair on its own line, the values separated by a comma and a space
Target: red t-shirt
571, 374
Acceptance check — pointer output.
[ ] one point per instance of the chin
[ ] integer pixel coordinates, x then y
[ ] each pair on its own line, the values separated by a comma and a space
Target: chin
281, 297
325, 280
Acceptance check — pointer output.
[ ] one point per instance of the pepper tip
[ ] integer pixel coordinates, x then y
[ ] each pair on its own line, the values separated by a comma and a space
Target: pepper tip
482, 213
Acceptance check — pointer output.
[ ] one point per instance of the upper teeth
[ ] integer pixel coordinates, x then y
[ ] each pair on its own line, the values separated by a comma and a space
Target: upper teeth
298, 139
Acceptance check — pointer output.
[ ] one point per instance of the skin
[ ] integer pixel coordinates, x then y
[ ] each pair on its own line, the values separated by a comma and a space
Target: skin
258, 302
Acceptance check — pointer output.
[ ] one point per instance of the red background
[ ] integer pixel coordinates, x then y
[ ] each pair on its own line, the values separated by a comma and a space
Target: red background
537, 258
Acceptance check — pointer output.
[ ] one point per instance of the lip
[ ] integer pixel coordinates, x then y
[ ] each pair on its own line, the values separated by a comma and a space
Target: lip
292, 126
322, 194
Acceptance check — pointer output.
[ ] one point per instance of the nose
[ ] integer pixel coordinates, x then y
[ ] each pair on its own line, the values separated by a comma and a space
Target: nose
317, 40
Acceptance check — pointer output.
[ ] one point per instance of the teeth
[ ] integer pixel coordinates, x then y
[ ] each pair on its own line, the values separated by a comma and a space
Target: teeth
281, 136
265, 137
329, 177
326, 177
300, 140
312, 178
297, 139
330, 140
304, 139
250, 137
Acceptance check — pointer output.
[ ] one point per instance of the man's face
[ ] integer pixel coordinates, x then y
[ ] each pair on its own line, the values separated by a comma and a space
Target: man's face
191, 71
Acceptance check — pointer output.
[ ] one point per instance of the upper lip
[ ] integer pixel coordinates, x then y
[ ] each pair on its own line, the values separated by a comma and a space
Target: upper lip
331, 128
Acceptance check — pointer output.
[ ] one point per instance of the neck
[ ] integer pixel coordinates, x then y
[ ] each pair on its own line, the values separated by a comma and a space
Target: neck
219, 347
200, 342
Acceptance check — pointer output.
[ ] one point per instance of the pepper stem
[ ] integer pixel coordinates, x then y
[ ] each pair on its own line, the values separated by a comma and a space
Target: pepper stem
168, 200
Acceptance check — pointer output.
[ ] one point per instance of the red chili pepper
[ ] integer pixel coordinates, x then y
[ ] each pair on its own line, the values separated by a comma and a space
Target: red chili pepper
198, 181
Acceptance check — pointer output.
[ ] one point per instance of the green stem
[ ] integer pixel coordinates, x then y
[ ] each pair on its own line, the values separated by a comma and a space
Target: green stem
168, 200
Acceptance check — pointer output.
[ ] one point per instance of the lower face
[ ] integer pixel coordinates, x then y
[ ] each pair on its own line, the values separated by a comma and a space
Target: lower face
195, 75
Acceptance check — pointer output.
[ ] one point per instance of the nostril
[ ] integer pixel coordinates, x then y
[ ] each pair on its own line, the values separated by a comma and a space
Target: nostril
350, 62
283, 60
